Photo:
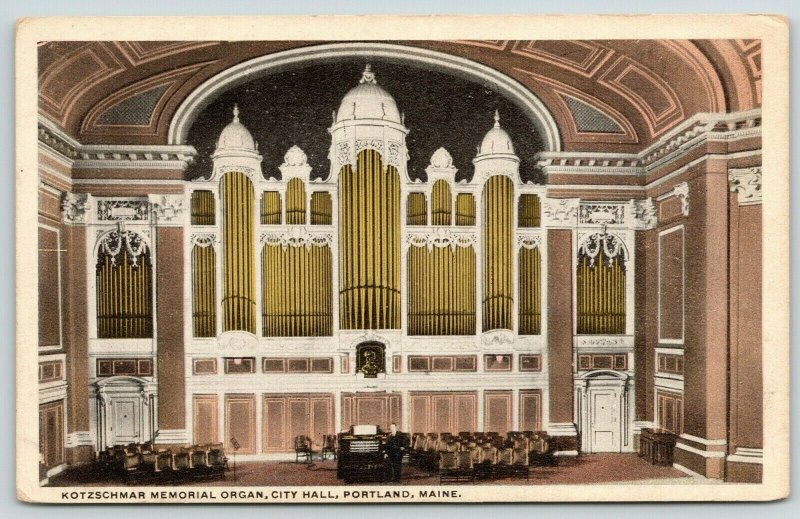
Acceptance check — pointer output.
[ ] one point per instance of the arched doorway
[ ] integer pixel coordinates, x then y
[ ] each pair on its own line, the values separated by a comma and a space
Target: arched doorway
602, 408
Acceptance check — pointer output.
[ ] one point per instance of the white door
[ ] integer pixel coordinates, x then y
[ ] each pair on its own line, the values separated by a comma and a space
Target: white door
604, 421
124, 425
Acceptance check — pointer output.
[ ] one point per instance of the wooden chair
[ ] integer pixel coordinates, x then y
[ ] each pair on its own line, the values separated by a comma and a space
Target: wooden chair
302, 449
328, 446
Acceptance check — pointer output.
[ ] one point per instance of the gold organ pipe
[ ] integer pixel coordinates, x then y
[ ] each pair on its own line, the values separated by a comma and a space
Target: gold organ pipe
239, 288
123, 297
204, 290
601, 295
441, 203
529, 210
417, 213
530, 291
441, 291
321, 208
271, 208
296, 291
369, 244
465, 209
498, 233
202, 207
295, 202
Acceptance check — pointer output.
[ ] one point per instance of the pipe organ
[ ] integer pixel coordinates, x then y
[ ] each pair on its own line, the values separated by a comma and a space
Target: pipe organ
441, 203
465, 209
203, 207
369, 244
271, 208
417, 209
498, 298
321, 208
238, 302
530, 291
295, 202
600, 284
297, 291
204, 293
441, 298
124, 285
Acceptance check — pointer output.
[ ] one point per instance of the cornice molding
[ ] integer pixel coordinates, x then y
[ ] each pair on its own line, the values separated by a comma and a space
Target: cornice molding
112, 156
696, 130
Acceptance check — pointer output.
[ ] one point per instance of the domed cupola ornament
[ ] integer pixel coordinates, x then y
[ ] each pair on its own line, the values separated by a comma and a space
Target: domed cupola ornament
496, 154
237, 150
368, 76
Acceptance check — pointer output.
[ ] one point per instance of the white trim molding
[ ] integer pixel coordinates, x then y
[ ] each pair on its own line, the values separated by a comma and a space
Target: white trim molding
680, 191
747, 183
747, 455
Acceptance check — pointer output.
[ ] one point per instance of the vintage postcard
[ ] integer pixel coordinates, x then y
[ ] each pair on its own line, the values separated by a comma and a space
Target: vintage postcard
386, 259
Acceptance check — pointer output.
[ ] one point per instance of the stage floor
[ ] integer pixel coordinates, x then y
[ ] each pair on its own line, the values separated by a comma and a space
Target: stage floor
584, 469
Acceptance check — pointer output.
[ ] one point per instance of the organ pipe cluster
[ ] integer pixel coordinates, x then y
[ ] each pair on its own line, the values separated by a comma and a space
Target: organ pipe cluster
441, 299
601, 295
124, 297
369, 244
238, 301
297, 291
204, 293
498, 297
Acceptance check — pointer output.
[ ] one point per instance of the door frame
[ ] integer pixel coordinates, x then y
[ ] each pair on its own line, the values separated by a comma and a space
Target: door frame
142, 392
603, 380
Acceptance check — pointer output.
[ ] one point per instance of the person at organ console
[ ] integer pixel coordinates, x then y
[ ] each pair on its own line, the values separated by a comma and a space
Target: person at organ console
396, 446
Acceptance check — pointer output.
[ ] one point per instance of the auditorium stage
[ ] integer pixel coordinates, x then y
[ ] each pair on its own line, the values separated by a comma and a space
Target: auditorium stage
590, 468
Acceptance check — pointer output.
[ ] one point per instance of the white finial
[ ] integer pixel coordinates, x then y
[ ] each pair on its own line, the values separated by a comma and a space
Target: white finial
497, 118
235, 113
368, 76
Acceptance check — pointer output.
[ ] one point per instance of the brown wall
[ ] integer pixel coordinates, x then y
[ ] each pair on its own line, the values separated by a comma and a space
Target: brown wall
443, 412
169, 310
746, 390
706, 362
292, 415
559, 324
76, 332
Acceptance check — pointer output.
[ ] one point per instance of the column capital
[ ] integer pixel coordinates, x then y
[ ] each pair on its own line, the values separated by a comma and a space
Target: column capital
747, 183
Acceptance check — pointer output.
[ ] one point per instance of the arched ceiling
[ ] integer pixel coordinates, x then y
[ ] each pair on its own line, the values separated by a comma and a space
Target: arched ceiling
616, 95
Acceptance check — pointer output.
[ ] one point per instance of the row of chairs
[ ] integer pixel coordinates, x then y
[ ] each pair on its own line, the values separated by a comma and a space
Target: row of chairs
143, 461
480, 455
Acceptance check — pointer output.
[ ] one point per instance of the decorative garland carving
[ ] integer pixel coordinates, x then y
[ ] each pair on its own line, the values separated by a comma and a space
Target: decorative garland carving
611, 245
529, 241
747, 183
562, 211
168, 208
297, 237
123, 210
498, 337
608, 214
204, 239
441, 237
644, 213
122, 241
681, 191
75, 207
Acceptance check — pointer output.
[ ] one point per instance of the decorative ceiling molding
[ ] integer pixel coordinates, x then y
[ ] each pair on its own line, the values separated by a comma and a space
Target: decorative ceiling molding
131, 98
560, 52
691, 133
66, 79
139, 52
646, 90
101, 156
570, 126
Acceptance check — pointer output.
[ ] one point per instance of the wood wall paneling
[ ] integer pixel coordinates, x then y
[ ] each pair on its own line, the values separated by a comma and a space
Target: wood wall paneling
240, 422
206, 419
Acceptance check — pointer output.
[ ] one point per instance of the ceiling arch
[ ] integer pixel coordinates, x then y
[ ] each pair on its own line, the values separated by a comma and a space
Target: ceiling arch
646, 87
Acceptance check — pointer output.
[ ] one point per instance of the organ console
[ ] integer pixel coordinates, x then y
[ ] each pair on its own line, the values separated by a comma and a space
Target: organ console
362, 455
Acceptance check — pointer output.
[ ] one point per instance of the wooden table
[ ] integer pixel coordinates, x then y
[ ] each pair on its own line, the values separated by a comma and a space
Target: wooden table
656, 445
